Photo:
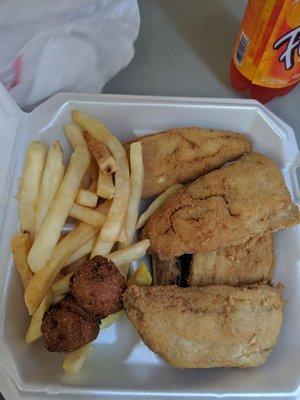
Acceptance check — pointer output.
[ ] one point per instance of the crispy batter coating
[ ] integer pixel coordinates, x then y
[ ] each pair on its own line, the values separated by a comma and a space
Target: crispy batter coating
98, 287
183, 154
211, 326
226, 207
244, 264
66, 328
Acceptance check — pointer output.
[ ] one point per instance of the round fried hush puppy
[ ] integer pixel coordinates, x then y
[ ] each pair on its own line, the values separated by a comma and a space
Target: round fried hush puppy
66, 327
98, 287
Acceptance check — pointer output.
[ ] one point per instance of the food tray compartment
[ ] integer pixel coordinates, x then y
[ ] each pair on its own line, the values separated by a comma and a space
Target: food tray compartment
121, 366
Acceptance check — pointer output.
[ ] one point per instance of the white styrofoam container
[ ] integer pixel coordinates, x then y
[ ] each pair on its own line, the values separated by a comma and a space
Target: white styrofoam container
121, 365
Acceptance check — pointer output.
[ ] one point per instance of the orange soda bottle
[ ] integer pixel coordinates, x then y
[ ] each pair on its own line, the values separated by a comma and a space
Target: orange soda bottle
266, 54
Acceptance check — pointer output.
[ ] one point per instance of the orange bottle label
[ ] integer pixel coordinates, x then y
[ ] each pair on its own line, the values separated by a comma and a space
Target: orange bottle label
267, 50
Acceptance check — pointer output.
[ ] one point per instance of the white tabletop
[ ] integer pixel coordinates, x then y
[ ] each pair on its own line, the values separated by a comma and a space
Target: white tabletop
184, 49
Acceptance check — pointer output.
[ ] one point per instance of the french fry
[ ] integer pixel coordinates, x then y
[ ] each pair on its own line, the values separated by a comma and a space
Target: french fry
20, 246
123, 236
86, 198
34, 330
76, 138
93, 187
136, 188
30, 184
111, 319
102, 156
76, 265
131, 253
108, 165
49, 233
123, 243
83, 251
87, 215
61, 286
105, 186
96, 147
87, 248
140, 277
102, 248
51, 179
44, 278
104, 207
75, 135
56, 299
74, 361
111, 229
93, 170
157, 203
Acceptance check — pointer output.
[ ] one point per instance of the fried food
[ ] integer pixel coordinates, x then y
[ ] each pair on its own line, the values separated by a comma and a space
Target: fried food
105, 186
168, 272
43, 280
34, 329
211, 326
87, 248
87, 215
125, 256
117, 212
72, 267
98, 287
245, 264
20, 246
183, 154
136, 187
50, 230
86, 198
75, 360
67, 328
157, 203
101, 154
50, 182
30, 184
61, 286
102, 247
226, 207
81, 252
75, 135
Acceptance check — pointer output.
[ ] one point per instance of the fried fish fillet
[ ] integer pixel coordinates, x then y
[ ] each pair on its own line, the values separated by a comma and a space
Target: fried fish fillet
226, 207
183, 154
211, 326
169, 272
244, 264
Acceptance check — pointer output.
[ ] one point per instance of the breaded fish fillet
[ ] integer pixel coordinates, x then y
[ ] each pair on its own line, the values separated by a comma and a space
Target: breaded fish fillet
169, 272
183, 154
244, 264
226, 207
211, 326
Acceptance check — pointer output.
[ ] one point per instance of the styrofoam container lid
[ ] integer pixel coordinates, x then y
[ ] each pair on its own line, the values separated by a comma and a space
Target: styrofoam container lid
121, 366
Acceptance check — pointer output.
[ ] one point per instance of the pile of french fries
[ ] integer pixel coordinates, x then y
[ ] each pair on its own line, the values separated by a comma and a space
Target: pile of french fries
101, 191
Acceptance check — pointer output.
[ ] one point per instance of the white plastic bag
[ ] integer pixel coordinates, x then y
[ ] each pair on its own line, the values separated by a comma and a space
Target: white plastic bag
49, 46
